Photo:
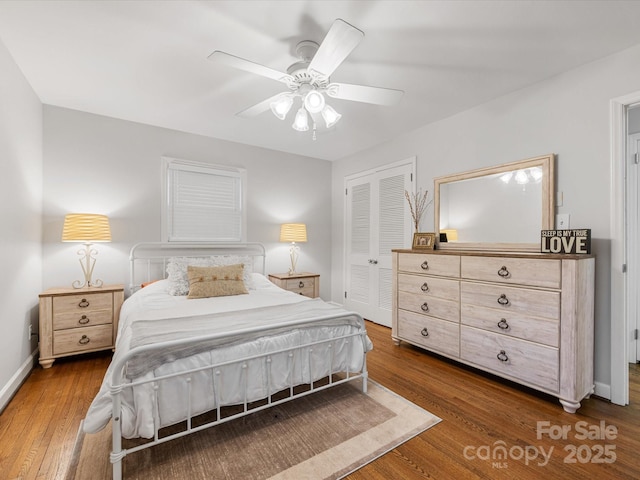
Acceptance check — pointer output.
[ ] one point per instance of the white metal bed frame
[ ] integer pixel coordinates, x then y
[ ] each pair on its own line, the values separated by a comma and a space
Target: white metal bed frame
151, 256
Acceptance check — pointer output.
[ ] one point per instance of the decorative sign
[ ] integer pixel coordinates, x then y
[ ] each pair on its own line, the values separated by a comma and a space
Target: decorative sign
566, 241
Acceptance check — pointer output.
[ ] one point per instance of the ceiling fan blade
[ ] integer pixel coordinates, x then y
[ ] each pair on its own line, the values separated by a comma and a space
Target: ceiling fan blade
258, 108
363, 93
249, 66
339, 42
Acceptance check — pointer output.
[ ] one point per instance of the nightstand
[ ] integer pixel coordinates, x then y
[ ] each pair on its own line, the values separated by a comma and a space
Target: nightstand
305, 283
78, 320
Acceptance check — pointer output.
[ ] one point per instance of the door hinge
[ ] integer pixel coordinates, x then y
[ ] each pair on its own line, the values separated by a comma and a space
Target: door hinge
624, 268
345, 294
635, 334
345, 191
412, 173
636, 158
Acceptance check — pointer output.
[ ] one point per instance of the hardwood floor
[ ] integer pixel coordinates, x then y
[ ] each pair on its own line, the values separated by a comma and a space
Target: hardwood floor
480, 414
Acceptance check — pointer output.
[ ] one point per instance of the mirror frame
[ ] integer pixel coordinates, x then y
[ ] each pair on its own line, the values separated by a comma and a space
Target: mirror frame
547, 222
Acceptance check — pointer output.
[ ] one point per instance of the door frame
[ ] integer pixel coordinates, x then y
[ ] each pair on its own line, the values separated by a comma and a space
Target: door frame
619, 393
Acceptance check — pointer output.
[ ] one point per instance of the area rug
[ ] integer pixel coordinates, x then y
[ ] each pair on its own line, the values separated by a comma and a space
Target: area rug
325, 435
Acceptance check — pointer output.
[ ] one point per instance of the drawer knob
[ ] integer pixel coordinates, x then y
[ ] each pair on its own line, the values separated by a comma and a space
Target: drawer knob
503, 272
424, 332
424, 307
503, 300
424, 287
301, 284
84, 340
83, 320
503, 324
425, 265
502, 356
83, 303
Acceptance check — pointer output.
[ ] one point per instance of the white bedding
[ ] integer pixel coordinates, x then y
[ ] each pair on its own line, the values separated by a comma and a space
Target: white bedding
154, 312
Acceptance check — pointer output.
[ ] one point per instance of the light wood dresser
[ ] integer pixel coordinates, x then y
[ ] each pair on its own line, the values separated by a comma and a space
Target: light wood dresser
78, 320
524, 317
307, 284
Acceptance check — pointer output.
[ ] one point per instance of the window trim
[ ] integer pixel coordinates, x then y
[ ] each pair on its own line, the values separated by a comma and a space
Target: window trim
170, 163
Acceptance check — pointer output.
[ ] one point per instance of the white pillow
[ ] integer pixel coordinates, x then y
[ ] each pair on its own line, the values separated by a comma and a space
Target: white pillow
177, 270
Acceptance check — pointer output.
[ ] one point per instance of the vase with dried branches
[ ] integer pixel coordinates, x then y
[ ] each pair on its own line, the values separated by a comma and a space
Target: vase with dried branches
418, 204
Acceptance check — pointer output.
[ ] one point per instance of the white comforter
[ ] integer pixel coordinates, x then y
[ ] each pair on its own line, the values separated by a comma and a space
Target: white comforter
152, 315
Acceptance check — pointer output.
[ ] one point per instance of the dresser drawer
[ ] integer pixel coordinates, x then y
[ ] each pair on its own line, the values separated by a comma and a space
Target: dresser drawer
533, 272
518, 359
522, 326
434, 306
431, 333
432, 264
537, 303
82, 303
77, 340
429, 286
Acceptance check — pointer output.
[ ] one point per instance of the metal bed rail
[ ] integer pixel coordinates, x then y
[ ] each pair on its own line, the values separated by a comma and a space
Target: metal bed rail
335, 377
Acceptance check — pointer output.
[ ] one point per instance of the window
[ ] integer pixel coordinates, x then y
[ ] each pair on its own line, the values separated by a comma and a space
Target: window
202, 202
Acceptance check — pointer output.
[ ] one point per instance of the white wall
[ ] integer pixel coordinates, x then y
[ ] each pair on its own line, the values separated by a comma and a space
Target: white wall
567, 115
97, 164
20, 217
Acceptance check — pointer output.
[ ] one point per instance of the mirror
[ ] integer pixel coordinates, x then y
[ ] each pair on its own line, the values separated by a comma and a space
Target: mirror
497, 208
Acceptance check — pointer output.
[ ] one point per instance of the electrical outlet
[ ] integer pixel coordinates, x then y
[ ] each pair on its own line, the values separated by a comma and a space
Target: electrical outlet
562, 221
30, 331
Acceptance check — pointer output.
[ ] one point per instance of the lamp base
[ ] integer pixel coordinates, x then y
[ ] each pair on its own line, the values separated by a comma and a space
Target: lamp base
87, 262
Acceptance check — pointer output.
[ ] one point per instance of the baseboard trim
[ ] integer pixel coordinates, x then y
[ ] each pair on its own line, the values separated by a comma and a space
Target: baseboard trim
603, 390
10, 389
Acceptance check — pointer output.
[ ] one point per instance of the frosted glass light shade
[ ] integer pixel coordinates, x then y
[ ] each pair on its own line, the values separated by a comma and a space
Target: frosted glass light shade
281, 106
314, 101
301, 122
330, 116
86, 228
293, 232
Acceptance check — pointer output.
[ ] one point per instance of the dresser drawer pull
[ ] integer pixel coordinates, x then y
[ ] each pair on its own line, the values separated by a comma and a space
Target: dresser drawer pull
424, 307
502, 356
83, 303
83, 320
503, 324
425, 265
424, 332
503, 300
424, 287
301, 284
84, 340
503, 272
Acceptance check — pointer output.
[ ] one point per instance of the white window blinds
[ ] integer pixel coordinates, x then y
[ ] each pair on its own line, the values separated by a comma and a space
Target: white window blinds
203, 202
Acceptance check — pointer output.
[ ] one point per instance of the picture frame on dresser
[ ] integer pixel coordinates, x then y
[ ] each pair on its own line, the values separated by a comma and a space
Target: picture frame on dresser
424, 241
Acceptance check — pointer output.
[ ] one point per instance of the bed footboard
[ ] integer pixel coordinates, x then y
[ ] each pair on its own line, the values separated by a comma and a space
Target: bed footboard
327, 372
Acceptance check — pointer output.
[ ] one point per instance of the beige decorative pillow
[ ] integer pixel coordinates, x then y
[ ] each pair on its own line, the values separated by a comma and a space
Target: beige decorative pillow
221, 281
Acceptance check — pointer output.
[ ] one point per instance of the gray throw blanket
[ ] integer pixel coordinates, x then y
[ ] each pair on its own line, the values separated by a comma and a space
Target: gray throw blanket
192, 335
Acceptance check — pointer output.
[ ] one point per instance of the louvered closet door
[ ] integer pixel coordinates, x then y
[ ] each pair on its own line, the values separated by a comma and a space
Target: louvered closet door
377, 221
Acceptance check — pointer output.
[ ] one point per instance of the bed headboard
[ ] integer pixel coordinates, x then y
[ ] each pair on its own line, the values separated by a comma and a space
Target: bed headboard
148, 261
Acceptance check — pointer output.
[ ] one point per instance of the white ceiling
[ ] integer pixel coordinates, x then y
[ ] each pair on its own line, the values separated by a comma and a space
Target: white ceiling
146, 61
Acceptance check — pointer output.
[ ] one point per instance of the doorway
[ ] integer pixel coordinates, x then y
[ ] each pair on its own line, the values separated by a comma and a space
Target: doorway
624, 244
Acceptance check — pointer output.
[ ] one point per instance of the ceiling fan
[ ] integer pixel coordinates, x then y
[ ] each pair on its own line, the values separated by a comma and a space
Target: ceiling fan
308, 79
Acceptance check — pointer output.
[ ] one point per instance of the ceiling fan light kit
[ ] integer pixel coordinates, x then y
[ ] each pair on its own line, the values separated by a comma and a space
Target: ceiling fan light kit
309, 79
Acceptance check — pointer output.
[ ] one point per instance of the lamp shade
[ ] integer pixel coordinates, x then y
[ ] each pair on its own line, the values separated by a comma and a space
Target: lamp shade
452, 234
293, 232
86, 227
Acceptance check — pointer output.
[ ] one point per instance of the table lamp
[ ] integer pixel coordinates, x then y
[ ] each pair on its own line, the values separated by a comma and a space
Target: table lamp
293, 232
87, 228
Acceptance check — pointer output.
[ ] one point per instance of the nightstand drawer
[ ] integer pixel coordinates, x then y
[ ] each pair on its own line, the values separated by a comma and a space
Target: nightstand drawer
78, 340
307, 284
81, 303
303, 286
